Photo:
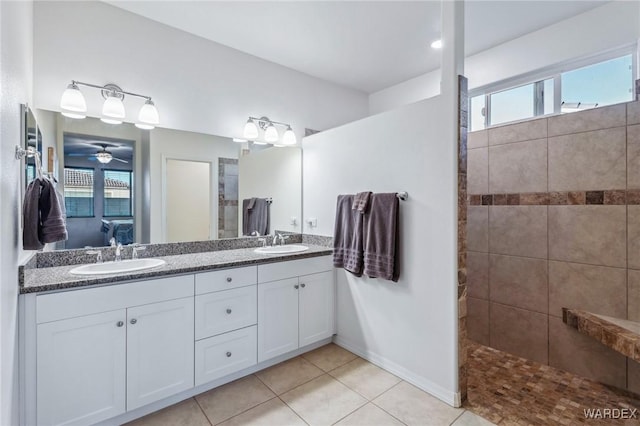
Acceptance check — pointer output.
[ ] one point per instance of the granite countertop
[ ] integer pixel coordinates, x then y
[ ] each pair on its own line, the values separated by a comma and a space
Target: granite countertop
58, 277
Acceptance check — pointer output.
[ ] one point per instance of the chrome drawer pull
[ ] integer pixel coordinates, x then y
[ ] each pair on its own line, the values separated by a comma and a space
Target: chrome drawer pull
296, 286
133, 321
303, 285
228, 354
228, 310
229, 279
120, 323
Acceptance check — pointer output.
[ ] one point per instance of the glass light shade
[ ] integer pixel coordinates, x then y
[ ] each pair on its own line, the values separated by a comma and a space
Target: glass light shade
250, 130
148, 116
437, 44
289, 138
104, 157
271, 134
113, 110
72, 102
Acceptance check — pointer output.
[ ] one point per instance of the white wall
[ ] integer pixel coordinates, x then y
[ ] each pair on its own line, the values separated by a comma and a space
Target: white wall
607, 27
408, 327
197, 85
275, 173
178, 145
16, 65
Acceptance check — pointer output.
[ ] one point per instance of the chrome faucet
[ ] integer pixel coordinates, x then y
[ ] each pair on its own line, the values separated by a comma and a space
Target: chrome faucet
98, 254
135, 249
118, 252
274, 242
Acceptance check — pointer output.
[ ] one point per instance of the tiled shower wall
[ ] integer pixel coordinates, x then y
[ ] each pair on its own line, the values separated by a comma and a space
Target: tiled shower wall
553, 222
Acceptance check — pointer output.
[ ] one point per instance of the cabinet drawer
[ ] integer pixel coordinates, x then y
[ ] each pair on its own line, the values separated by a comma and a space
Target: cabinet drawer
226, 279
75, 303
294, 268
223, 311
227, 353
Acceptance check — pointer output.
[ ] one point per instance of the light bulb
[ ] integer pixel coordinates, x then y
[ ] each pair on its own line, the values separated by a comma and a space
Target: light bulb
289, 138
437, 44
271, 134
104, 157
239, 140
148, 116
112, 110
72, 102
250, 130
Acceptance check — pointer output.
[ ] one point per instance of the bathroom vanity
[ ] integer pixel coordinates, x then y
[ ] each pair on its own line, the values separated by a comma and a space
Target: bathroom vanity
116, 347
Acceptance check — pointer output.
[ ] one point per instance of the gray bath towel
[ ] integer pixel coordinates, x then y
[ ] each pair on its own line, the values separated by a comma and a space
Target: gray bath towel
31, 217
380, 236
361, 201
44, 219
255, 218
347, 236
52, 214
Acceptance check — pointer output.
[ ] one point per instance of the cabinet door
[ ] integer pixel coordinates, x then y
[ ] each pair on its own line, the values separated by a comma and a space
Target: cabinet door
159, 351
316, 307
277, 318
81, 369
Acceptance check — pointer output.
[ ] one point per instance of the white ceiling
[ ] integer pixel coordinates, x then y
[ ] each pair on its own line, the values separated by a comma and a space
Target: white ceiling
364, 45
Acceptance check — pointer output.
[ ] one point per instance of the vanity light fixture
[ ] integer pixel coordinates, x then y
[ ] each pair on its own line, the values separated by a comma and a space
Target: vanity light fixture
72, 102
73, 105
271, 135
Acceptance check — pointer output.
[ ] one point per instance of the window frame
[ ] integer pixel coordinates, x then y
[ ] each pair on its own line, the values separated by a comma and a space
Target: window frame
93, 193
551, 72
104, 203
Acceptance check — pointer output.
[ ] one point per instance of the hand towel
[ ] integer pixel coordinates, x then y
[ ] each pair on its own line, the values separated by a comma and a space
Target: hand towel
361, 201
53, 226
31, 217
380, 237
347, 236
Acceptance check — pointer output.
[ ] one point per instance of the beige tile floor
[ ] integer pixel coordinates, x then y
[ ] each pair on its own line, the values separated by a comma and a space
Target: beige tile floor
324, 387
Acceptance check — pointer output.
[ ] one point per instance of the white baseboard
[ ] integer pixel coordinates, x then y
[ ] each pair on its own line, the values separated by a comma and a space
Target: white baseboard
446, 396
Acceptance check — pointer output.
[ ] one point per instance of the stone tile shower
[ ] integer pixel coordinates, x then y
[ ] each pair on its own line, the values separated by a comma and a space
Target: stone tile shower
553, 223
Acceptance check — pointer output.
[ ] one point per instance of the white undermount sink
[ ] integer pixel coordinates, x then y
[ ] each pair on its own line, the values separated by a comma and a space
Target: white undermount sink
287, 248
117, 267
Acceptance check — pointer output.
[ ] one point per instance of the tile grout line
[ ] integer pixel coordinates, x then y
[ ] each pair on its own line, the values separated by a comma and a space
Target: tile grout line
202, 410
548, 257
294, 411
553, 260
373, 402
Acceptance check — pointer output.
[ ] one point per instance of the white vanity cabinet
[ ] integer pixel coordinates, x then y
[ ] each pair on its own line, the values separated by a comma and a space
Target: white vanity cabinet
103, 351
295, 305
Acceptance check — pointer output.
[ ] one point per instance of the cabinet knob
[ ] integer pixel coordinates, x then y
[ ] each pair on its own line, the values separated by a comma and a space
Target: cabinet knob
303, 285
120, 323
228, 354
133, 321
228, 310
296, 286
229, 279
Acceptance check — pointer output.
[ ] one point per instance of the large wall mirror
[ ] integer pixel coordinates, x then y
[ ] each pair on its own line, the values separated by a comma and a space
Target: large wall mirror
164, 185
32, 138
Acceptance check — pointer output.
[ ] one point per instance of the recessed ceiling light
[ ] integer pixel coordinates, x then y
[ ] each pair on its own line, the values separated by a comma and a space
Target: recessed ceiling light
437, 44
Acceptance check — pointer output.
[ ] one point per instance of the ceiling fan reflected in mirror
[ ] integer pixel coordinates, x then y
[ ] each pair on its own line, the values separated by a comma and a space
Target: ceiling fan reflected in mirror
103, 155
